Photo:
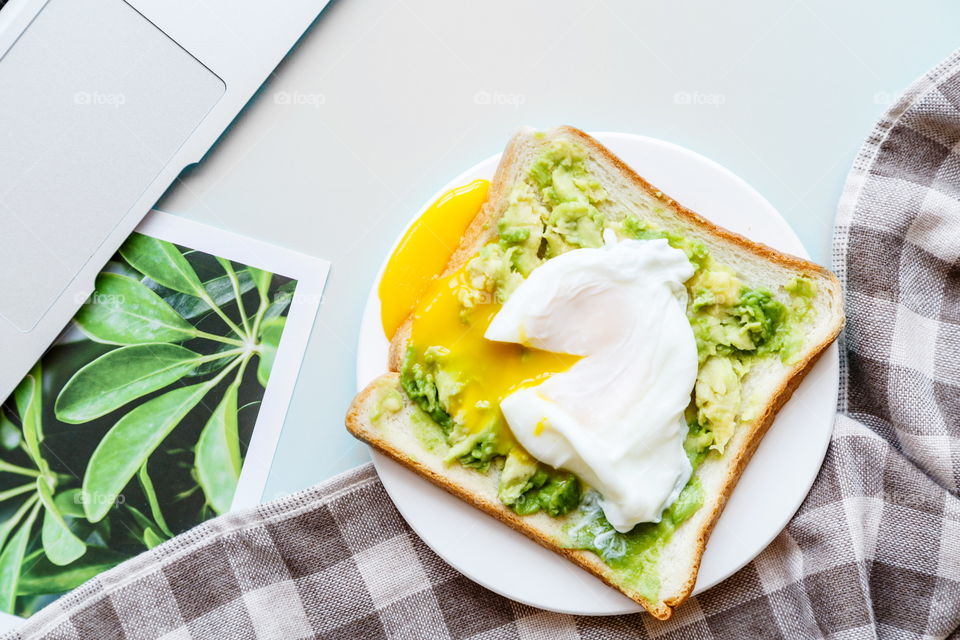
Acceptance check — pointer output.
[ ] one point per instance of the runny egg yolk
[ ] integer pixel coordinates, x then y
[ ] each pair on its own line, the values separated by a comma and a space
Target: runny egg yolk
488, 371
424, 250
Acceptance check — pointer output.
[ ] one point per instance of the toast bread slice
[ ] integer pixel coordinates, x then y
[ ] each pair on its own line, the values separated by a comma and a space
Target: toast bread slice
755, 264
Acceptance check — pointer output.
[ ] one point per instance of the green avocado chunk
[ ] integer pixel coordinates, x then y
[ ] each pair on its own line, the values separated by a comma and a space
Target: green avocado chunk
477, 450
527, 486
429, 384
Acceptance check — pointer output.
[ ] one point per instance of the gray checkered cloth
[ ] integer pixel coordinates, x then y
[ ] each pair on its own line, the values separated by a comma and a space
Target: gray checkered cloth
874, 550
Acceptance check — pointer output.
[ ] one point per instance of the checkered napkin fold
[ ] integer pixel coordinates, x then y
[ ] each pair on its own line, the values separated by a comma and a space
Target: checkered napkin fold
874, 550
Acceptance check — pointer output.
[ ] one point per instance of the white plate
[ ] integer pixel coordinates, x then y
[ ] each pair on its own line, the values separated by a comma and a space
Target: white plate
769, 492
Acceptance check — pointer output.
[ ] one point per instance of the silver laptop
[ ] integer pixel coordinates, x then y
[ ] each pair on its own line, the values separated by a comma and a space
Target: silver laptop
102, 104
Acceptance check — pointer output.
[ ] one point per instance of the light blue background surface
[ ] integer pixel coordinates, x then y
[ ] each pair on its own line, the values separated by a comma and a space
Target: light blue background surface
384, 101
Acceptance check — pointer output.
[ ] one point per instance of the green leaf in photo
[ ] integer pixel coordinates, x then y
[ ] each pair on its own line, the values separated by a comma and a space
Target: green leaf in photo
162, 262
270, 334
121, 267
27, 397
261, 280
28, 401
128, 444
151, 538
10, 437
220, 290
11, 561
121, 376
124, 311
151, 493
40, 576
218, 459
59, 542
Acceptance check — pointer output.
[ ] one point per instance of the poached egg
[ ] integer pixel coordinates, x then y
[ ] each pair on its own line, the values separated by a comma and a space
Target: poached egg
615, 417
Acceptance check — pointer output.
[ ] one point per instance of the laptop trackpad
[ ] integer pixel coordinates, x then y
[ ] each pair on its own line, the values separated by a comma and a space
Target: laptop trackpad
95, 102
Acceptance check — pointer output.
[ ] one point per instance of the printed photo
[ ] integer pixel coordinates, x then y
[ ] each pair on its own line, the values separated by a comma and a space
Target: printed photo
135, 426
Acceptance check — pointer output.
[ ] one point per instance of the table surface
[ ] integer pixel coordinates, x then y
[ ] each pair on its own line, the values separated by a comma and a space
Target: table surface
382, 102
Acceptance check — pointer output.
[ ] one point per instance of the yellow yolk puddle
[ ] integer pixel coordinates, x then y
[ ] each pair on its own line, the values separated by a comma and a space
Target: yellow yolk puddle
489, 371
424, 251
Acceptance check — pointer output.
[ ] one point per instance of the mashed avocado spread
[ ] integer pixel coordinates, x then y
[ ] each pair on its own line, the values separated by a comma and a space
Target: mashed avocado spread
560, 206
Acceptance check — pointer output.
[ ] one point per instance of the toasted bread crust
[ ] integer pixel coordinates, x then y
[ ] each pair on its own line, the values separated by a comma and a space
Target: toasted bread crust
724, 235
480, 231
743, 455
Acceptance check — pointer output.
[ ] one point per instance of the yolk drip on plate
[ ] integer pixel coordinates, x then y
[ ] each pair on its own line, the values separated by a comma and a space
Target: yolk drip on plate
488, 371
424, 250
